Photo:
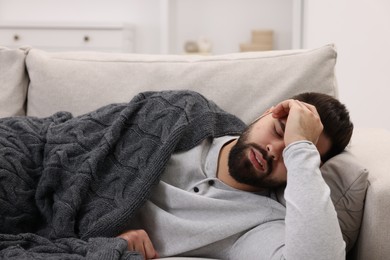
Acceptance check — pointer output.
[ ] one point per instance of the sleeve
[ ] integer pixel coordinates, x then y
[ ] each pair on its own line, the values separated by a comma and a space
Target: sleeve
312, 230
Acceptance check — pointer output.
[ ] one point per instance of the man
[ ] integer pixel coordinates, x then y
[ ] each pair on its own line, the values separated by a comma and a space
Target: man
171, 163
217, 200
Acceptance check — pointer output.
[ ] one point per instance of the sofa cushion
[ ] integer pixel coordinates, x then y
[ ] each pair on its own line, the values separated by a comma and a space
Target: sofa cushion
244, 84
13, 82
347, 180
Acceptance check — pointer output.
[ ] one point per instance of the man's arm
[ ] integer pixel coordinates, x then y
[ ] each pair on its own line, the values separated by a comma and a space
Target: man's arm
312, 228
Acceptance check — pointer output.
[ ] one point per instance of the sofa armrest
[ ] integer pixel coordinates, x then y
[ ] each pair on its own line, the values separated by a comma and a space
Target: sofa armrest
371, 147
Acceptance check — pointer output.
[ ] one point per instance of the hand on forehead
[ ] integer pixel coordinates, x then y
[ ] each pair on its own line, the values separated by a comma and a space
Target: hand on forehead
303, 121
283, 108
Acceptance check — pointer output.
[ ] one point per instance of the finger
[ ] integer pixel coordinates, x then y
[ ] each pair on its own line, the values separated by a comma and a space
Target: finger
283, 108
150, 252
140, 249
312, 108
147, 246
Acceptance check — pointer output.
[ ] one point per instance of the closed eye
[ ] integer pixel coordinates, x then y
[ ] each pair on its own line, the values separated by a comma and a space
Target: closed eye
282, 126
277, 132
279, 128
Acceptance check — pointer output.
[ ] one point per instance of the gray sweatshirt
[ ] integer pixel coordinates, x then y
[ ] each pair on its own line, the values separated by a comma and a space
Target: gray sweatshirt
192, 213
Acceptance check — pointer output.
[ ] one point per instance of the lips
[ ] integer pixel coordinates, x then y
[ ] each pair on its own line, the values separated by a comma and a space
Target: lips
257, 160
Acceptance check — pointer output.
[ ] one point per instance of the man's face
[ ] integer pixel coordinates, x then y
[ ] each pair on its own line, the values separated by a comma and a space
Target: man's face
256, 159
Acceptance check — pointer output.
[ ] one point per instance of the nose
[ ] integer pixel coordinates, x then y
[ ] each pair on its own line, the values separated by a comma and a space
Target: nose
275, 150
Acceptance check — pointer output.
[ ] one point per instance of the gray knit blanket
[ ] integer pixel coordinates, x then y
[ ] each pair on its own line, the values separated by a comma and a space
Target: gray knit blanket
70, 185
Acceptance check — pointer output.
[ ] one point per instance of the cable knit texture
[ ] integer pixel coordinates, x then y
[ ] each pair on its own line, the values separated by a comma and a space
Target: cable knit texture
70, 184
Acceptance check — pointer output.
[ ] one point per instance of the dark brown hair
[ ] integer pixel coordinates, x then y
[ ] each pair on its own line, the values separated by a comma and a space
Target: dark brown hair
335, 119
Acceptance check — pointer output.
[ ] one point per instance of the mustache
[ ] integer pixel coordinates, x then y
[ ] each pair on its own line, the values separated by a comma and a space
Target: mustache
264, 153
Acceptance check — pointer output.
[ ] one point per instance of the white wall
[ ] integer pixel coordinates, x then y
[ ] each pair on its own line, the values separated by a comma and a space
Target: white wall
361, 31
226, 22
145, 14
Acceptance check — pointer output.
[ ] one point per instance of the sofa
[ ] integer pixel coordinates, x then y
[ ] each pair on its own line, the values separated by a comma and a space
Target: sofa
37, 83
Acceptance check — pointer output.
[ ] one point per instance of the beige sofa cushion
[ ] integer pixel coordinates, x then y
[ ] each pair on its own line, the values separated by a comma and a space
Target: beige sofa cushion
13, 82
244, 84
347, 180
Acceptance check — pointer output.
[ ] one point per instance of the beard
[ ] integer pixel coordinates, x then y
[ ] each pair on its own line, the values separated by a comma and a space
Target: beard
242, 170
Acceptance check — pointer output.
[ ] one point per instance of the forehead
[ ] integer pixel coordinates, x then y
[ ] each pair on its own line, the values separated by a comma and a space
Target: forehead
260, 117
270, 118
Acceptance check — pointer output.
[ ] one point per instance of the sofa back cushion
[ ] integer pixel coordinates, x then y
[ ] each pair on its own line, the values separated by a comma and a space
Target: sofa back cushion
13, 82
244, 84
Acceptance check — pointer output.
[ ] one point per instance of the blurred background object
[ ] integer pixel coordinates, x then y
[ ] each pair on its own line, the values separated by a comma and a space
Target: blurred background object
262, 40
